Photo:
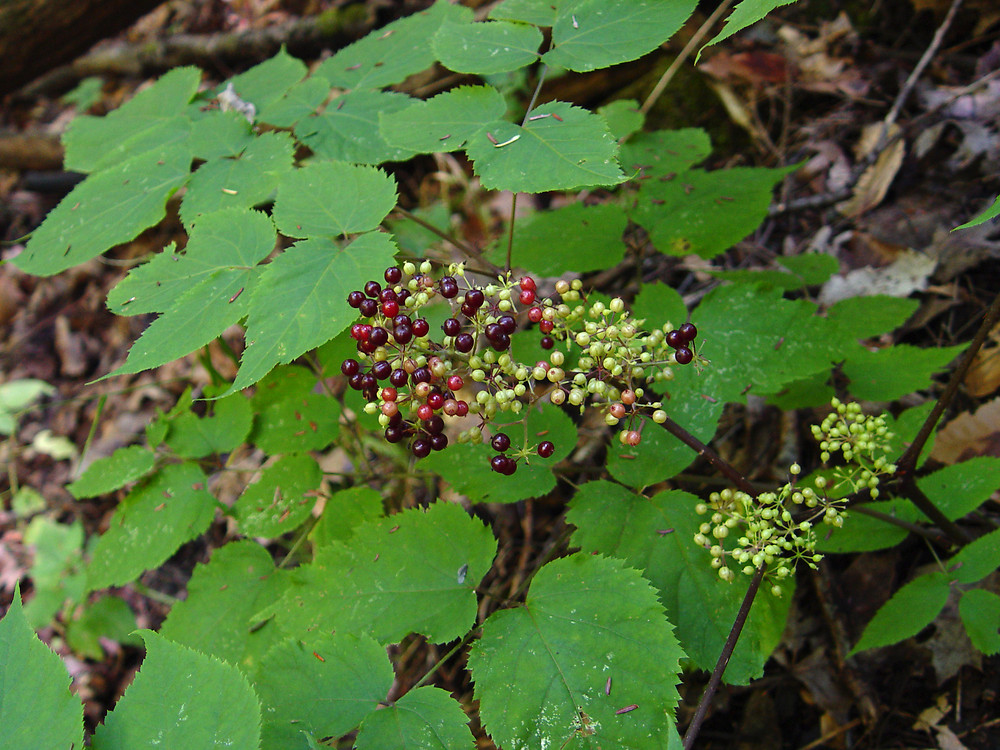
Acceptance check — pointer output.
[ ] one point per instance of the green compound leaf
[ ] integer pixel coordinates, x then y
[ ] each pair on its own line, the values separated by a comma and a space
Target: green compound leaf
34, 685
232, 240
348, 129
574, 238
329, 199
810, 269
891, 373
344, 512
301, 100
426, 718
215, 134
538, 12
150, 524
657, 304
105, 210
107, 618
143, 123
413, 572
299, 424
281, 499
243, 181
324, 686
664, 153
225, 429
864, 317
570, 148
592, 34
222, 598
486, 48
960, 489
746, 13
392, 53
706, 213
301, 300
623, 117
909, 611
542, 670
467, 467
988, 215
655, 535
864, 533
107, 474
977, 559
56, 571
443, 123
269, 81
980, 613
181, 698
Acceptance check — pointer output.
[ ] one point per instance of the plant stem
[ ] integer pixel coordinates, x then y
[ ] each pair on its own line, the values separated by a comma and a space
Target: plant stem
713, 458
465, 247
720, 666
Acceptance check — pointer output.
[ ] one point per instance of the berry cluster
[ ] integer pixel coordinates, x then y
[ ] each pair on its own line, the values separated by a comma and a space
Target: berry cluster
412, 381
863, 440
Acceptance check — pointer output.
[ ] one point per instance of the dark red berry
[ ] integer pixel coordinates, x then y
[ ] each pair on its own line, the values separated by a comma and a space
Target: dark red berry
386, 295
501, 342
357, 332
546, 448
455, 382
381, 370
461, 409
435, 400
350, 367
421, 447
497, 463
546, 342
438, 441
420, 327
355, 297
526, 296
452, 327
434, 425
509, 466
689, 332
368, 308
379, 336
683, 355
424, 412
399, 378
475, 298
390, 309
402, 334
448, 287
507, 324
394, 433
422, 375
675, 339
372, 288
464, 342
468, 310
393, 275
500, 442
535, 314
355, 381
546, 326
368, 381
402, 297
492, 331
389, 394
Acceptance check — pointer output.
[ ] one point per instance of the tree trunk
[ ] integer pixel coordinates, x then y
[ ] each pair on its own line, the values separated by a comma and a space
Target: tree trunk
38, 35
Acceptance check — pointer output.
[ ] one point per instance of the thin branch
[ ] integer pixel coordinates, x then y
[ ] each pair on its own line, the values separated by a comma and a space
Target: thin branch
469, 251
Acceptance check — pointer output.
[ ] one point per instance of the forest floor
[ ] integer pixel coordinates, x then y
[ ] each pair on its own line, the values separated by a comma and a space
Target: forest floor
812, 85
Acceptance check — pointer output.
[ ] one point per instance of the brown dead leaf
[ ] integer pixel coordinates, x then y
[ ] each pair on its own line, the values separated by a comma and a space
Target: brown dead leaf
969, 435
875, 182
907, 274
756, 67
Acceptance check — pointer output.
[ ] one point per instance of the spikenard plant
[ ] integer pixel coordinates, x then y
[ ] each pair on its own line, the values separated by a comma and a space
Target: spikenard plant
295, 248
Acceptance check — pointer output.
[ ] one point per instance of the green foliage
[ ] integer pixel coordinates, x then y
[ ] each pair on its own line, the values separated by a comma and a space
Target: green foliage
746, 13
426, 718
988, 215
16, 396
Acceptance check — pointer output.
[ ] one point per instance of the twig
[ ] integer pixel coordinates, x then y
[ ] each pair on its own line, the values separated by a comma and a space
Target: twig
727, 651
469, 251
685, 53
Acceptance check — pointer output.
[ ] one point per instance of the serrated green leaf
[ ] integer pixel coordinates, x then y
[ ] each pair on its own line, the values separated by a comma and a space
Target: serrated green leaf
244, 181
467, 467
267, 82
746, 13
281, 499
105, 210
348, 129
415, 571
542, 670
298, 424
664, 153
324, 686
426, 718
538, 12
658, 304
56, 570
706, 213
864, 317
222, 598
233, 239
623, 117
443, 123
904, 429
570, 148
592, 34
300, 101
225, 429
33, 684
977, 559
486, 48
300, 301
146, 120
988, 215
343, 512
107, 474
655, 535
215, 134
108, 617
909, 611
18, 395
390, 54
888, 374
328, 199
864, 533
150, 524
810, 269
85, 94
960, 489
181, 698
572, 239
980, 613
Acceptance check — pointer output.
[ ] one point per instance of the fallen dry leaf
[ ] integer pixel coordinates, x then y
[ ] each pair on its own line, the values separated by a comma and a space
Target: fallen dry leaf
875, 182
907, 274
969, 435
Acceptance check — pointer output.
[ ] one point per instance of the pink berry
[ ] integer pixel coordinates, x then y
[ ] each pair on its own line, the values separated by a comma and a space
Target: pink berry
632, 437
535, 314
425, 412
617, 410
526, 297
